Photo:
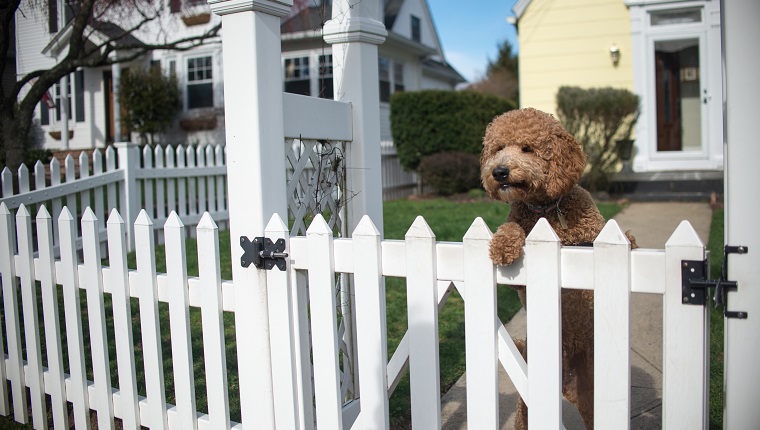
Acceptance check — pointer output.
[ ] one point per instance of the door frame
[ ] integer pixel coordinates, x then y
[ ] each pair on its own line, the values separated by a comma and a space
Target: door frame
643, 39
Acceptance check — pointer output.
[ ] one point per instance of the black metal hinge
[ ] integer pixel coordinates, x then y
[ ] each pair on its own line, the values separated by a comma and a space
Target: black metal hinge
695, 285
263, 253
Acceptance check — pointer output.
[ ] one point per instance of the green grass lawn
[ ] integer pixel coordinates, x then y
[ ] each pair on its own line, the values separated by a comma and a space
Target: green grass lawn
449, 220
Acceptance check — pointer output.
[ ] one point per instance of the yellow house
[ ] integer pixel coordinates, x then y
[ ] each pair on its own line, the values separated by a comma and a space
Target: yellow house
666, 51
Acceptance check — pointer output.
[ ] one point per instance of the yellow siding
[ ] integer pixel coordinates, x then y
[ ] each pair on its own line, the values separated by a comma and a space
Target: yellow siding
567, 42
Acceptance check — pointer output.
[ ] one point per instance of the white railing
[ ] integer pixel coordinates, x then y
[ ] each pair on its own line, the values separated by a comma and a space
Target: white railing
432, 269
188, 180
397, 182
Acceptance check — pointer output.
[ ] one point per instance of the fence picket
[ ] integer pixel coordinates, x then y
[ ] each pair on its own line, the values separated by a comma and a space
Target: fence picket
542, 259
122, 320
372, 342
147, 293
612, 320
302, 336
158, 160
214, 354
171, 183
84, 172
31, 324
148, 184
96, 316
685, 349
422, 309
200, 161
208, 181
97, 169
15, 368
49, 290
281, 335
324, 326
39, 181
221, 190
179, 322
77, 391
181, 184
7, 178
23, 179
71, 197
111, 188
192, 191
481, 325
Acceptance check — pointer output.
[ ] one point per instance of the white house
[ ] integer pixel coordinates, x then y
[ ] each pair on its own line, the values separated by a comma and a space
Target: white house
411, 59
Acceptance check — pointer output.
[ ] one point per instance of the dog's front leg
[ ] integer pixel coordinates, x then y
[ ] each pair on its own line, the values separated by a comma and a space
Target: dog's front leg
507, 244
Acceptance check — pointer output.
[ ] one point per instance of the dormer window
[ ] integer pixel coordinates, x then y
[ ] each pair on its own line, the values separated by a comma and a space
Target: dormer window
416, 32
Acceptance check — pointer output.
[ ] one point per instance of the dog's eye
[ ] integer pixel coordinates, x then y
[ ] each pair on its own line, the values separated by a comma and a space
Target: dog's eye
527, 148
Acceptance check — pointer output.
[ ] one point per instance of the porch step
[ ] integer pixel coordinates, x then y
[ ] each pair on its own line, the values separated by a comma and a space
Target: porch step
667, 186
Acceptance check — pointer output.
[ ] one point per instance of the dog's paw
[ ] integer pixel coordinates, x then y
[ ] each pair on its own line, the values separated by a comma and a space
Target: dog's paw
507, 244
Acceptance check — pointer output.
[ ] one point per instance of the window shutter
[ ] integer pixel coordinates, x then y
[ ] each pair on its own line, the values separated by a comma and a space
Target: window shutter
175, 5
44, 114
53, 16
79, 95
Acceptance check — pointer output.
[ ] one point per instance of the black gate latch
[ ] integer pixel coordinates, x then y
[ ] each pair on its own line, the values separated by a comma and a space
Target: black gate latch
695, 285
263, 253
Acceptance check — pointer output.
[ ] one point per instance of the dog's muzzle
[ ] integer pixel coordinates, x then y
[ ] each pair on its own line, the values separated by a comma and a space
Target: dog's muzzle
500, 174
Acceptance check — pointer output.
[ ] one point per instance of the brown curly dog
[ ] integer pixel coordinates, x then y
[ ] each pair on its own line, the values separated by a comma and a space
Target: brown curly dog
533, 164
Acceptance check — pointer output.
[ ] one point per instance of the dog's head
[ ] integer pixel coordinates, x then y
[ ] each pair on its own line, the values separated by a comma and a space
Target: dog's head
528, 156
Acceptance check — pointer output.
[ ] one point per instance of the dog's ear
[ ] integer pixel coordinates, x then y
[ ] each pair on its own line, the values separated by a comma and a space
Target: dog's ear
566, 163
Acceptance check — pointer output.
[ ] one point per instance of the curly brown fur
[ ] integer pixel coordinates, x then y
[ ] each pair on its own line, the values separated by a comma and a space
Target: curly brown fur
532, 163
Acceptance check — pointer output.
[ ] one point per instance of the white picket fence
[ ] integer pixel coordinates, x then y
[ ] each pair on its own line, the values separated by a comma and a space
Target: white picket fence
303, 299
188, 180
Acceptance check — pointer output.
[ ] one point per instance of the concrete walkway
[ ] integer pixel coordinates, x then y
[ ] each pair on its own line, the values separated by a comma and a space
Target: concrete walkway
651, 224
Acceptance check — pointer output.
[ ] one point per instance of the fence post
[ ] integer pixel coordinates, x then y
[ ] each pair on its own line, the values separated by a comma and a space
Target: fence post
355, 31
256, 178
129, 197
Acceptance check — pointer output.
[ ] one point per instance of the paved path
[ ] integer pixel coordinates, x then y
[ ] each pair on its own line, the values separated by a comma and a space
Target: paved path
651, 224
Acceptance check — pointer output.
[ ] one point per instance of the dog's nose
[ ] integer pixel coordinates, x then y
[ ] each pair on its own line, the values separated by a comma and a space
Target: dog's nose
500, 174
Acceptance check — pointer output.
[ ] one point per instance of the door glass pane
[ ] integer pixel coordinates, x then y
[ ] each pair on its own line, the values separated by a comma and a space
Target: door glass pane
679, 105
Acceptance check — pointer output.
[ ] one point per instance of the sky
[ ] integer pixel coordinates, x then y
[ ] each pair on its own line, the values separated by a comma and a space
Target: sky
471, 30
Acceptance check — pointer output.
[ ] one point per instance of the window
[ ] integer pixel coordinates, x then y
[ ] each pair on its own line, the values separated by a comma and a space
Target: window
325, 84
75, 101
416, 32
200, 84
670, 17
391, 74
384, 73
297, 79
398, 77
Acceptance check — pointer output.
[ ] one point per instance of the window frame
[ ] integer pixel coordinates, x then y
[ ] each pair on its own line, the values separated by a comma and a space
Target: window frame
190, 80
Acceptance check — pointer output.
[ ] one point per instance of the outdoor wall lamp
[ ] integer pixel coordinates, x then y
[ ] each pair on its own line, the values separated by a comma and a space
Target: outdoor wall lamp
615, 55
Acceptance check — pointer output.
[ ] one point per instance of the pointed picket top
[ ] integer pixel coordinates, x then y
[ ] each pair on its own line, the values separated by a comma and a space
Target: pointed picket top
173, 221
542, 232
143, 219
612, 234
319, 226
4, 209
276, 225
65, 215
478, 231
22, 212
207, 223
366, 228
114, 217
84, 160
420, 229
69, 160
39, 166
23, 170
684, 235
43, 213
87, 216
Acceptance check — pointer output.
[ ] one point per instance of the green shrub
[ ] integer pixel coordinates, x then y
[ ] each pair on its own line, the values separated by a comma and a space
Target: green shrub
428, 122
598, 118
450, 172
151, 101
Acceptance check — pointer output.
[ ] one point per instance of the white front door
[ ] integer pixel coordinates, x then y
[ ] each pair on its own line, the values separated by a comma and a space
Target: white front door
677, 75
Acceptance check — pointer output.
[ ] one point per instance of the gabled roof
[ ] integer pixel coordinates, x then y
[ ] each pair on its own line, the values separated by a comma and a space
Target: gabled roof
99, 31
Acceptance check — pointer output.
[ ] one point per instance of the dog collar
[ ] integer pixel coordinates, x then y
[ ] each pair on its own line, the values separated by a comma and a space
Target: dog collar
544, 210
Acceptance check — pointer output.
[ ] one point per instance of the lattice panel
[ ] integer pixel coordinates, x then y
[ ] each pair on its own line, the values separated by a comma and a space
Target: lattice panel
316, 174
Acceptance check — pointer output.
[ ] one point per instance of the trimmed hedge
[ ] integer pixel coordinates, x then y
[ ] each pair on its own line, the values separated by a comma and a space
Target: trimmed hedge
433, 121
451, 172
